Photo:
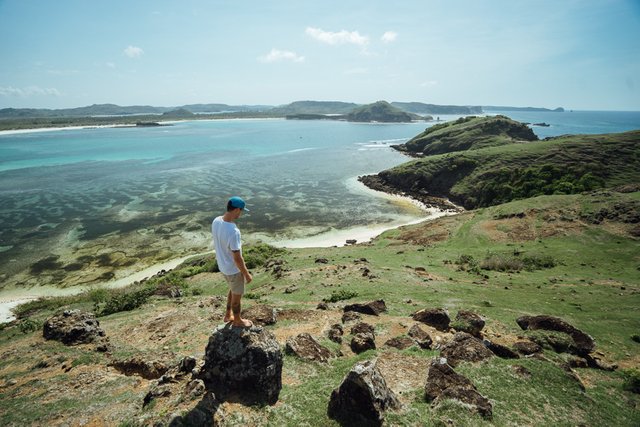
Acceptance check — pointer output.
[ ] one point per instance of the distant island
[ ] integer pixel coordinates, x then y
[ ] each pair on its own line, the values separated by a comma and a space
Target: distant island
112, 114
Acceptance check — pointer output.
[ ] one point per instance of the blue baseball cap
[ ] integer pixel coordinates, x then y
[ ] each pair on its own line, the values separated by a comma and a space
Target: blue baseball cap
237, 202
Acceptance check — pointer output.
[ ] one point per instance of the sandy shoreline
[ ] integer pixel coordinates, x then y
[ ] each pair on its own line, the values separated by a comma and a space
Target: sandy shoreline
11, 298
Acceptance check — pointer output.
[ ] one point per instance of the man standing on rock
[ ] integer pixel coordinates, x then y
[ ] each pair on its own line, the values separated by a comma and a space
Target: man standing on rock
226, 240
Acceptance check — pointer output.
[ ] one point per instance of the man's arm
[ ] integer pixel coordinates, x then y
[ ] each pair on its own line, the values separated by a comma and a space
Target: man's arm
239, 261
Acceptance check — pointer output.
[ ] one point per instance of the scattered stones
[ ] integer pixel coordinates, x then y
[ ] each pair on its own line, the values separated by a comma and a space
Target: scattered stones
527, 347
243, 365
500, 350
465, 347
322, 306
73, 327
400, 343
290, 289
435, 317
306, 347
373, 308
420, 336
260, 314
584, 344
322, 261
335, 333
469, 322
149, 370
350, 316
155, 392
444, 383
577, 362
363, 328
195, 388
363, 342
521, 371
362, 398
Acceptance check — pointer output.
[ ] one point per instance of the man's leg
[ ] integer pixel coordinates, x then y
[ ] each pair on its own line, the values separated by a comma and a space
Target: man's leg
228, 315
236, 308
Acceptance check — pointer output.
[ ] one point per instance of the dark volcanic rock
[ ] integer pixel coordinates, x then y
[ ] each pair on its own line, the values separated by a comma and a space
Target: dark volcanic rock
444, 383
335, 333
243, 365
469, 322
421, 336
363, 342
363, 328
73, 327
501, 350
262, 315
373, 308
350, 316
306, 347
362, 398
527, 347
400, 343
584, 344
435, 317
465, 347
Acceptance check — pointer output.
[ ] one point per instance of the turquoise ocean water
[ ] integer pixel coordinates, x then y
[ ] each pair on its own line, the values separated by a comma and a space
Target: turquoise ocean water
62, 188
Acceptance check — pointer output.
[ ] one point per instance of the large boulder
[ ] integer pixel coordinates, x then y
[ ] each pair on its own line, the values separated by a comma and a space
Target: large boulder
444, 383
363, 328
362, 398
362, 342
465, 347
373, 308
306, 347
260, 314
73, 327
420, 336
435, 317
469, 322
500, 350
335, 333
584, 344
147, 369
243, 365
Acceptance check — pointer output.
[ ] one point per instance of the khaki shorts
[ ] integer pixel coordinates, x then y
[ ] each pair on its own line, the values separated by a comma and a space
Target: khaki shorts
236, 283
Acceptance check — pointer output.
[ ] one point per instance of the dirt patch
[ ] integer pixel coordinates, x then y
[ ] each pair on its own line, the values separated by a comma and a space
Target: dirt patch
403, 373
430, 232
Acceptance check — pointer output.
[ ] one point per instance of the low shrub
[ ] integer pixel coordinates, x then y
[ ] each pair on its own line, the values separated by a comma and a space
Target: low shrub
127, 300
340, 296
631, 380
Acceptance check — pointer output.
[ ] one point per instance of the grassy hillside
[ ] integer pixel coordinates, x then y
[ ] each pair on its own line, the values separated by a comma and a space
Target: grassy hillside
586, 273
468, 133
494, 175
380, 111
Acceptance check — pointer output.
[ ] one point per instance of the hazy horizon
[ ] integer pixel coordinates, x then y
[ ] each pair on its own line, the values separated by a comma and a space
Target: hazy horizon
579, 55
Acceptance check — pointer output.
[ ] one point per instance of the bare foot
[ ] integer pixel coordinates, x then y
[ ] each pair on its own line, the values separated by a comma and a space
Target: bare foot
227, 319
242, 323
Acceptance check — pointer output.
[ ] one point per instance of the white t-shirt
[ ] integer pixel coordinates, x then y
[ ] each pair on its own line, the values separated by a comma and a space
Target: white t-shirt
226, 238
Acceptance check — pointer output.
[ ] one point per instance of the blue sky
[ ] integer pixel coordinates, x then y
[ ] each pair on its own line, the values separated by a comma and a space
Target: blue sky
580, 54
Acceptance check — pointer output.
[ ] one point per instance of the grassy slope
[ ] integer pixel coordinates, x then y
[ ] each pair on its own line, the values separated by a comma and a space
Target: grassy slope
468, 133
494, 175
594, 286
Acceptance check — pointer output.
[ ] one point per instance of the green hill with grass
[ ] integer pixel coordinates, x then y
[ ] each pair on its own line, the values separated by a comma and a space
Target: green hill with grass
467, 133
570, 256
497, 174
380, 111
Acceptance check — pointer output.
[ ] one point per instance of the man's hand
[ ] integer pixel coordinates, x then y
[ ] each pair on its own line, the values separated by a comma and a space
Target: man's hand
247, 277
239, 261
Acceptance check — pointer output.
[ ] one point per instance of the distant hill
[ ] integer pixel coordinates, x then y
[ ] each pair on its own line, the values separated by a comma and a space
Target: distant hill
314, 107
422, 109
468, 133
380, 111
498, 174
497, 108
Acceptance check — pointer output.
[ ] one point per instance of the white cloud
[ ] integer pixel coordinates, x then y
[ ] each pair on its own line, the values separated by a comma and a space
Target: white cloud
28, 91
389, 37
340, 37
133, 52
281, 55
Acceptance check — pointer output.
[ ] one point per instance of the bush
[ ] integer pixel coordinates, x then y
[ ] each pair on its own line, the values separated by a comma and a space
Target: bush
27, 326
631, 380
340, 296
124, 300
497, 262
257, 255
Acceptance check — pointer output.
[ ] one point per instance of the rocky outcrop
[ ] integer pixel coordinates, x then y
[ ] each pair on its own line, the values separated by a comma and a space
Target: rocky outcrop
469, 322
335, 333
584, 344
435, 317
400, 343
500, 350
444, 383
262, 315
362, 398
243, 365
465, 348
350, 316
422, 338
373, 308
527, 347
363, 328
147, 369
307, 348
362, 342
73, 327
